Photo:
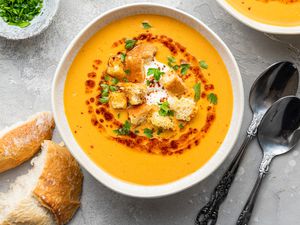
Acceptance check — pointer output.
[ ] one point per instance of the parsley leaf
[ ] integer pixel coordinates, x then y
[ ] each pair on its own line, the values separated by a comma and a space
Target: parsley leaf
148, 82
123, 57
114, 81
155, 72
113, 88
212, 98
104, 99
148, 132
165, 109
125, 80
181, 126
125, 129
106, 78
203, 64
127, 72
146, 25
129, 44
184, 68
105, 90
197, 90
159, 131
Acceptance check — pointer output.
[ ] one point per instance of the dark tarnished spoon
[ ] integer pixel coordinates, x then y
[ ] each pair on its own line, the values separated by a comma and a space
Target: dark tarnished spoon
279, 80
278, 133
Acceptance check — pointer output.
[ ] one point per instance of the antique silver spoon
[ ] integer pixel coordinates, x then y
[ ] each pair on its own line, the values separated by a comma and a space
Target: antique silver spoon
278, 133
277, 81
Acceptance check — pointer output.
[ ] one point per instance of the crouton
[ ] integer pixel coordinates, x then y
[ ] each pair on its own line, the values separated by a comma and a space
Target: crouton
173, 84
135, 60
184, 108
164, 122
115, 67
118, 100
136, 93
139, 114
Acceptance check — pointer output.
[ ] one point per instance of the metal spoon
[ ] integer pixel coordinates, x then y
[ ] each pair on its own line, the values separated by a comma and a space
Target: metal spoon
278, 133
279, 80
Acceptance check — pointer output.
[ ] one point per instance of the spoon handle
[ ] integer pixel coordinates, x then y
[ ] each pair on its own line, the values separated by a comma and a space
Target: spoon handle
246, 213
209, 213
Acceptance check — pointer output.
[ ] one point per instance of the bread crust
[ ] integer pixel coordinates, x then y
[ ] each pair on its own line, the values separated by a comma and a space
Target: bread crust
20, 143
60, 185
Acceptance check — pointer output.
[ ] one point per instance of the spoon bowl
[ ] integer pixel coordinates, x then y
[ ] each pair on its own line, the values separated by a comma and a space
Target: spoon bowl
280, 79
280, 128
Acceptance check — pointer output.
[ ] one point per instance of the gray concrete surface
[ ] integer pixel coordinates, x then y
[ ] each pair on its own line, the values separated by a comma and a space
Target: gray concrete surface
26, 71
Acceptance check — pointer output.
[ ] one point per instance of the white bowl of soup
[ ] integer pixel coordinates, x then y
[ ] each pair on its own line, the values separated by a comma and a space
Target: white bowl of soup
148, 99
271, 16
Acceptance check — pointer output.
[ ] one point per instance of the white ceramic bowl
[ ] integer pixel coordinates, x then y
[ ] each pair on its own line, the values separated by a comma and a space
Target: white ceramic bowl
102, 176
258, 25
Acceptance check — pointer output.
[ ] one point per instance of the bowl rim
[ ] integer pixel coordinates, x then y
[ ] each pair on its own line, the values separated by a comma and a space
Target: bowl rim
256, 25
152, 191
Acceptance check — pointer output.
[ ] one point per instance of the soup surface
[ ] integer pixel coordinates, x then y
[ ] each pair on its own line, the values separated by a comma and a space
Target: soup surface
148, 99
273, 12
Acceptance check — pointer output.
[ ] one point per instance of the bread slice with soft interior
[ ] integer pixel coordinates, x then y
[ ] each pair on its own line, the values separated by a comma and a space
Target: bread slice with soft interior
48, 194
23, 140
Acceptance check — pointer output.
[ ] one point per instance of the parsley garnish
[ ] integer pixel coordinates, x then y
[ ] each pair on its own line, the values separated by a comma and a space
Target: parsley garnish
127, 72
125, 129
104, 99
159, 131
148, 82
146, 25
113, 88
136, 131
165, 109
184, 68
148, 132
181, 126
197, 90
171, 61
123, 57
105, 90
203, 64
106, 78
212, 98
20, 12
114, 81
129, 44
155, 72
119, 115
125, 80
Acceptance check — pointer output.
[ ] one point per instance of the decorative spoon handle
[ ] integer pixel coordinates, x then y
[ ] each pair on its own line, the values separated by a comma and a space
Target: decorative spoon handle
246, 213
209, 213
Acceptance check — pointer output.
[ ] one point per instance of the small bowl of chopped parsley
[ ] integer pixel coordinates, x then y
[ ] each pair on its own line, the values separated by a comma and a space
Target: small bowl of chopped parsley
21, 19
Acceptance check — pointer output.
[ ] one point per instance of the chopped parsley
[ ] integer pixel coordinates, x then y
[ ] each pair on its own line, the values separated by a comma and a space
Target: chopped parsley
129, 44
20, 12
159, 131
165, 110
171, 62
184, 68
125, 80
197, 90
148, 132
127, 72
105, 90
181, 126
146, 25
119, 115
106, 78
176, 67
104, 99
148, 82
203, 64
113, 88
212, 98
123, 57
155, 72
125, 129
136, 131
114, 81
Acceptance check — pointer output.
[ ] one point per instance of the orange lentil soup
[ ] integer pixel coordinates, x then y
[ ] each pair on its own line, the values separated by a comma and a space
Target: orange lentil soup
273, 12
148, 99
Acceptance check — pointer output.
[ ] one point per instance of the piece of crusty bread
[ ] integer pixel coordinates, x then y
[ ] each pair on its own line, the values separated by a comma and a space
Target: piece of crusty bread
48, 194
21, 141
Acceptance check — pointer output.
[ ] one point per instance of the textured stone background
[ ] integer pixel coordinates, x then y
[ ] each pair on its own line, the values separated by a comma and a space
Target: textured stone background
26, 71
